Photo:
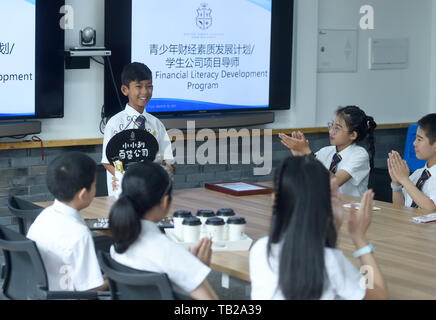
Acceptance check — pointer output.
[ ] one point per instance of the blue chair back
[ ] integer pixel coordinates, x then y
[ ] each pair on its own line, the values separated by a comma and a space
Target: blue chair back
409, 151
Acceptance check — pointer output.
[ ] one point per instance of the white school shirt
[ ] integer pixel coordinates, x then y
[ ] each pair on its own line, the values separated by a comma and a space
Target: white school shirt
429, 187
355, 161
124, 120
155, 252
342, 280
67, 249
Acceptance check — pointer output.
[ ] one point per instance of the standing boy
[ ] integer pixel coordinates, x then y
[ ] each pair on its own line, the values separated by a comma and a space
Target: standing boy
137, 85
418, 190
61, 235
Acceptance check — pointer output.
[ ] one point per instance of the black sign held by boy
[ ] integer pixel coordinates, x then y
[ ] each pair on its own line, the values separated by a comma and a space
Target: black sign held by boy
131, 146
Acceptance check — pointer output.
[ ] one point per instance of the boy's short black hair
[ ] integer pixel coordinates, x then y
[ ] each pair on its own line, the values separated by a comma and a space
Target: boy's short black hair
428, 125
68, 173
135, 71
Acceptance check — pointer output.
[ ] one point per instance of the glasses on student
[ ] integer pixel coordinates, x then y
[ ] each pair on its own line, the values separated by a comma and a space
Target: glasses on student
334, 127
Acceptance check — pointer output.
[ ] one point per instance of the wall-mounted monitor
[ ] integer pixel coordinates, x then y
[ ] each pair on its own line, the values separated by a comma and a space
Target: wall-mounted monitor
31, 59
206, 56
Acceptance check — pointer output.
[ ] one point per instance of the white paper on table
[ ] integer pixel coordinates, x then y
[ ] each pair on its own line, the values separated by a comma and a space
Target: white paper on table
424, 218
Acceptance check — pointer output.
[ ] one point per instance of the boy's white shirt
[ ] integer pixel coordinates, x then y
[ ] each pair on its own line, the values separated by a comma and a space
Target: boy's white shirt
124, 120
67, 249
429, 187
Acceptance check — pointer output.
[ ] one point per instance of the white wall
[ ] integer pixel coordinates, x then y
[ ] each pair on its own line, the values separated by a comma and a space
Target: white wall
83, 87
432, 93
388, 95
303, 99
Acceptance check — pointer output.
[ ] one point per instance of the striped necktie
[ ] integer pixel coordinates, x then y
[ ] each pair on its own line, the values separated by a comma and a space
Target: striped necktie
335, 160
424, 176
140, 122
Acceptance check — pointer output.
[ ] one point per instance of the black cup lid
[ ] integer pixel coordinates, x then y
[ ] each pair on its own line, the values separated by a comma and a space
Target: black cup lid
205, 213
191, 221
226, 212
236, 220
182, 214
215, 221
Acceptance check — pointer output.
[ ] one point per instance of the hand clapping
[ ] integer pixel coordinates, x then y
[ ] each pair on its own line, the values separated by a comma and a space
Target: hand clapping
398, 168
297, 143
203, 250
360, 220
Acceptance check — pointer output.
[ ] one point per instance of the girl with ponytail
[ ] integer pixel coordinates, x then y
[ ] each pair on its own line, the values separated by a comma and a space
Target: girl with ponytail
138, 242
351, 154
299, 258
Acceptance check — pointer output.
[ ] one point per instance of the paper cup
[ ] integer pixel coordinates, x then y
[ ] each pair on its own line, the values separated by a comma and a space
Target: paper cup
215, 228
178, 217
225, 213
236, 228
191, 229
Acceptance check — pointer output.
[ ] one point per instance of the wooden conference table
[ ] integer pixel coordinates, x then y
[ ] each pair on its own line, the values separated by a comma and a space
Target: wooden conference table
405, 251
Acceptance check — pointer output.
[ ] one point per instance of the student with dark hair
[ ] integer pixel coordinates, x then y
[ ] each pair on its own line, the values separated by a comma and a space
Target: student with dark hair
61, 235
138, 242
299, 258
135, 71
351, 154
418, 190
137, 85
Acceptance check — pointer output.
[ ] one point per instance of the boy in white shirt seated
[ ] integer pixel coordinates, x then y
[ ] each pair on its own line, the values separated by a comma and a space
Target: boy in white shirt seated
418, 190
61, 235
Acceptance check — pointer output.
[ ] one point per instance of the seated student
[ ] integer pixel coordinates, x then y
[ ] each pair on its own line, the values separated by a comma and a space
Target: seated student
138, 242
418, 190
137, 85
299, 258
351, 154
61, 235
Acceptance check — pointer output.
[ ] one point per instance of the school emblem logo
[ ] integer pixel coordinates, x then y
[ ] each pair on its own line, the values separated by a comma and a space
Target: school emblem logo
204, 18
